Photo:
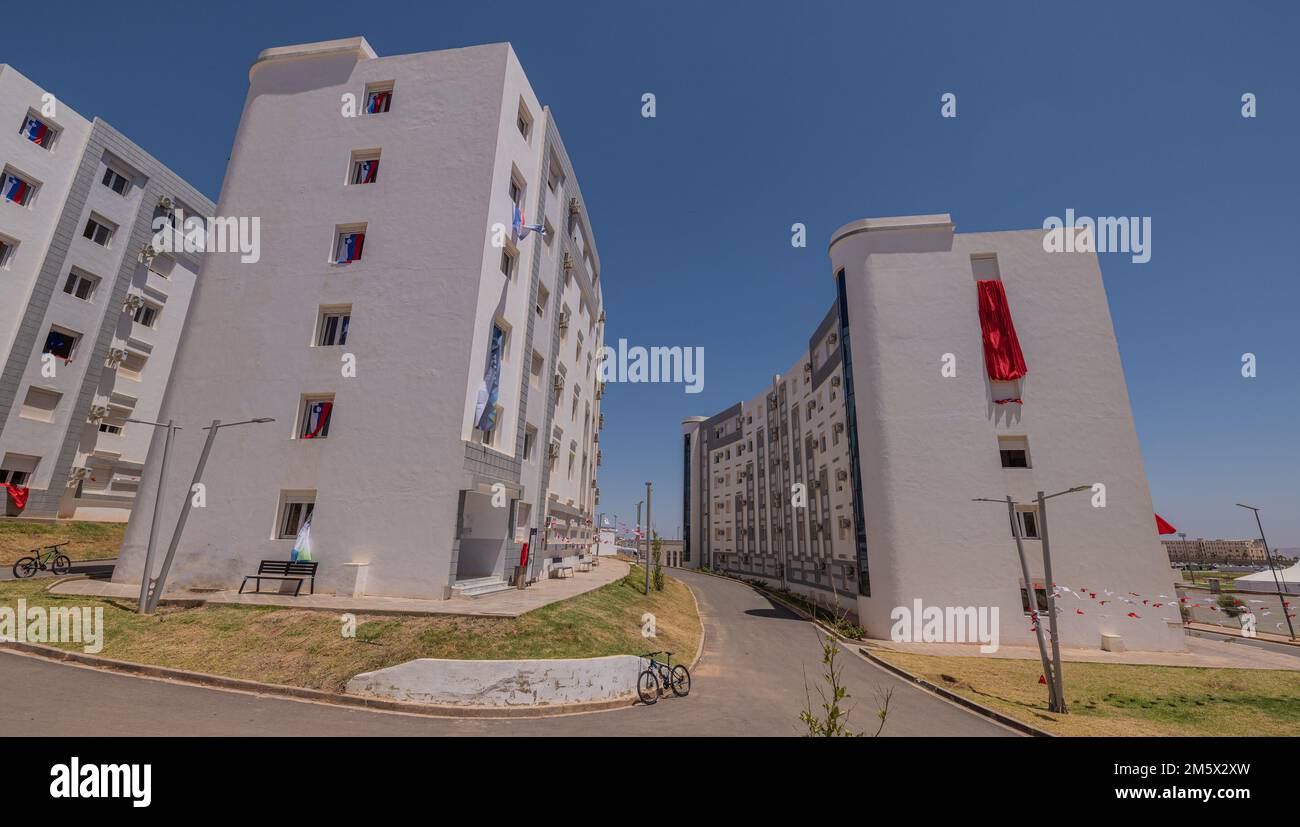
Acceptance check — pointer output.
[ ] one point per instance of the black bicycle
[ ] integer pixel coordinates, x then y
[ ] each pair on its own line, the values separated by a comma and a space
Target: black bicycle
46, 558
662, 675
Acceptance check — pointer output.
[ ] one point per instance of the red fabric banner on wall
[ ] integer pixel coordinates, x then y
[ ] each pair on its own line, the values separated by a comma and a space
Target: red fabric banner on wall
1002, 354
18, 493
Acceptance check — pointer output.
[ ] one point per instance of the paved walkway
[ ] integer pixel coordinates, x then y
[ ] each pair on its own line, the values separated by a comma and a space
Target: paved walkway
1216, 654
750, 681
509, 603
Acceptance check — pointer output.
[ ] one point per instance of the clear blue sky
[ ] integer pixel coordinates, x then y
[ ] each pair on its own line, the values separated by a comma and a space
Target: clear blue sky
824, 113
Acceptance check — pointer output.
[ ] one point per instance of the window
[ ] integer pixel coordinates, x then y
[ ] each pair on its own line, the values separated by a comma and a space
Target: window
17, 469
379, 99
40, 404
543, 300
365, 168
132, 366
17, 189
508, 263
516, 192
116, 181
1014, 451
295, 510
61, 342
1040, 594
147, 314
110, 428
38, 132
98, 231
349, 244
332, 328
530, 443
6, 252
535, 374
316, 413
1028, 521
81, 285
524, 121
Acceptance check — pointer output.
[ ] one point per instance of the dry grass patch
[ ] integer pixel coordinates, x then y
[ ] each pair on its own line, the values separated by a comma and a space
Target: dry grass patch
89, 541
306, 648
1119, 699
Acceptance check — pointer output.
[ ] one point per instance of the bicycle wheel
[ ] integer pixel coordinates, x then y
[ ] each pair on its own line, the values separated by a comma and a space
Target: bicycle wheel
681, 683
25, 567
61, 564
647, 687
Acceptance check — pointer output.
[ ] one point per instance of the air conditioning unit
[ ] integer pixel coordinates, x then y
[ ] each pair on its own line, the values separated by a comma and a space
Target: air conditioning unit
602, 422
97, 413
147, 254
842, 474
575, 207
568, 261
132, 303
78, 473
844, 522
558, 381
839, 426
115, 357
564, 320
553, 451
598, 458
166, 204
835, 381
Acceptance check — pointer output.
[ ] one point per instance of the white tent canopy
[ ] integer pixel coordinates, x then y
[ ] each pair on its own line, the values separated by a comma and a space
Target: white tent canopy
1263, 580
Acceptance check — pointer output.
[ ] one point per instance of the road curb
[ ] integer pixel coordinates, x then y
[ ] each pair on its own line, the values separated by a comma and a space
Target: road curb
302, 694
1005, 720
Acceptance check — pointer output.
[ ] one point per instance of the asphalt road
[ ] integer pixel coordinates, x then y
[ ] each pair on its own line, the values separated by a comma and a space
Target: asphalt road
750, 681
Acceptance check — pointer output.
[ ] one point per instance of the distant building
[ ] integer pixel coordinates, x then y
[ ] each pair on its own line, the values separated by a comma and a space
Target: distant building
1231, 552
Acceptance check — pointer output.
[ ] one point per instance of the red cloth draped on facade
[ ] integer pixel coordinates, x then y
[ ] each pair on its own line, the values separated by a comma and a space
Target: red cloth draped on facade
18, 494
1002, 354
1164, 527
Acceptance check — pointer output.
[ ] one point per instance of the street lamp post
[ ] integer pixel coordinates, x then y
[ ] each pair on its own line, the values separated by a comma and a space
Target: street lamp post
146, 575
648, 534
1268, 555
1051, 589
161, 582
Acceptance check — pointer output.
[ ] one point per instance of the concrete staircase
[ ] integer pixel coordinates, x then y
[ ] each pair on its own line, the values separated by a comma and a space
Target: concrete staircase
479, 586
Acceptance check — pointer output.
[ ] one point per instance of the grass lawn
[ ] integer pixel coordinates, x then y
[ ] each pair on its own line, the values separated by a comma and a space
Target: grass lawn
90, 541
306, 648
1116, 699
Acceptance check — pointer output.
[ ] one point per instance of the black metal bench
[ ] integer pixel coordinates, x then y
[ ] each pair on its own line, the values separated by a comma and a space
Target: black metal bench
282, 570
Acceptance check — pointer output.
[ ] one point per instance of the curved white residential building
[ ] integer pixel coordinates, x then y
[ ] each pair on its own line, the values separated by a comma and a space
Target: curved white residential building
898, 371
391, 304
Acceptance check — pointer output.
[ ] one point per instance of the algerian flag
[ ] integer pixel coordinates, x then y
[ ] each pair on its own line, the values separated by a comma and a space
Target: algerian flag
302, 545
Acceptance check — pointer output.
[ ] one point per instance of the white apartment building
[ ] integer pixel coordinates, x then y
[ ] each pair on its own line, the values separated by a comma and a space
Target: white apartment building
893, 422
389, 286
1232, 552
89, 322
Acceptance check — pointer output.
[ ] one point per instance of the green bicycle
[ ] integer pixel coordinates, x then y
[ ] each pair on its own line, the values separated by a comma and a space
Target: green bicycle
660, 676
46, 558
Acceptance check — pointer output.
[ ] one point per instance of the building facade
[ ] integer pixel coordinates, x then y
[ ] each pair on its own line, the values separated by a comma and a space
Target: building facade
1231, 552
428, 363
90, 317
852, 478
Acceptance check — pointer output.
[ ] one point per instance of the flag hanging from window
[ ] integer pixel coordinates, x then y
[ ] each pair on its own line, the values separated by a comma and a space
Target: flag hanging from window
318, 420
36, 132
378, 102
521, 230
1164, 527
302, 543
1002, 355
367, 171
350, 245
485, 407
15, 189
17, 495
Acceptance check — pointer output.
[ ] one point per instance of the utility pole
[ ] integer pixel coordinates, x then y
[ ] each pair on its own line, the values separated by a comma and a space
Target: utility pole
156, 592
648, 534
1050, 587
146, 576
1268, 555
